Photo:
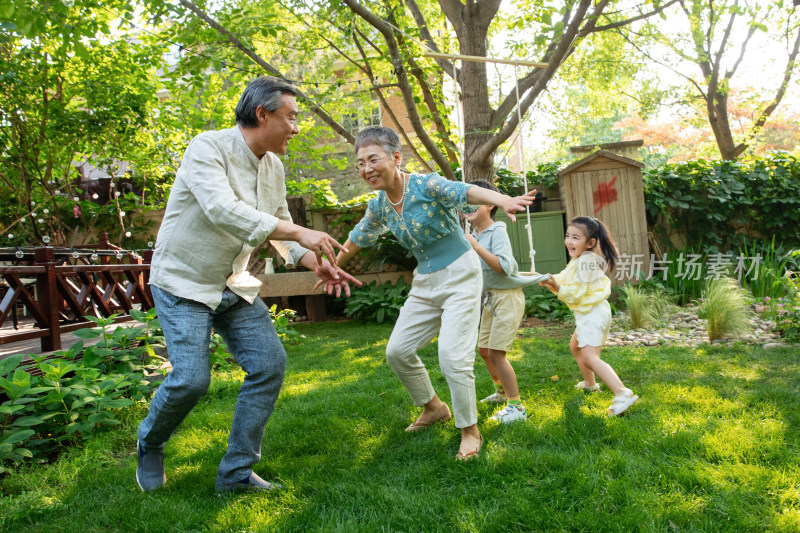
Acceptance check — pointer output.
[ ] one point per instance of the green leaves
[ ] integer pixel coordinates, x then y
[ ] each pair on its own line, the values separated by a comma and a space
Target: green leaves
78, 393
545, 305
377, 303
77, 90
705, 199
10, 363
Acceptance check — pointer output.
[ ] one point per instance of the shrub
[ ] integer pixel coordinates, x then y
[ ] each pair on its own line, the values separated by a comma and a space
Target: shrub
388, 251
644, 307
280, 319
773, 278
377, 303
78, 392
512, 184
545, 305
784, 310
680, 276
218, 353
704, 200
724, 306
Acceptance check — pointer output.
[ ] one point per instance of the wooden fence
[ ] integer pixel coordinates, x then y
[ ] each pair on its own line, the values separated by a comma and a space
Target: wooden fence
58, 294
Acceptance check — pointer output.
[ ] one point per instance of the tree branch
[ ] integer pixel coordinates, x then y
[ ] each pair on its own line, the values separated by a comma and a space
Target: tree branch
510, 123
427, 38
729, 73
787, 77
724, 42
430, 102
625, 22
388, 109
405, 87
454, 11
486, 11
321, 113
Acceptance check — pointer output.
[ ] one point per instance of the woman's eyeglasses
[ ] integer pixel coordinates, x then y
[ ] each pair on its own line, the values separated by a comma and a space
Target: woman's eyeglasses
362, 165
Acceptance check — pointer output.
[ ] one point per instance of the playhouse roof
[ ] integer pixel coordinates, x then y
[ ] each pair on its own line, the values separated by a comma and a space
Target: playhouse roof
600, 153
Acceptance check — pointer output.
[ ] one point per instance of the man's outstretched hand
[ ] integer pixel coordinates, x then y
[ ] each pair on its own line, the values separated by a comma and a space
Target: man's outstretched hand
335, 279
322, 245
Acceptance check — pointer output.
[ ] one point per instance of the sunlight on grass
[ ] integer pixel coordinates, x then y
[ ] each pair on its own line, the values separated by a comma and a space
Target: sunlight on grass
712, 446
682, 506
744, 440
695, 399
747, 373
548, 410
303, 382
788, 520
249, 512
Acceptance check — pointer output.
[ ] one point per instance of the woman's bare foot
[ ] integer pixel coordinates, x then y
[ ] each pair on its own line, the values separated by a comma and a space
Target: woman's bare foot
433, 411
471, 443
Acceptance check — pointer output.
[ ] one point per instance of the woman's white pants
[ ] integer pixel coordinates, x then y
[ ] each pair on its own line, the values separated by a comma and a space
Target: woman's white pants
447, 303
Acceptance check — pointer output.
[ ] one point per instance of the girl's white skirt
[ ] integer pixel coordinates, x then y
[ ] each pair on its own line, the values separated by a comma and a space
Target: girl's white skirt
593, 327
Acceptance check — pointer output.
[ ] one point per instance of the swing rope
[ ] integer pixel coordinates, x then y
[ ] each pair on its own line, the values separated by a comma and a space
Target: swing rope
462, 149
462, 145
532, 252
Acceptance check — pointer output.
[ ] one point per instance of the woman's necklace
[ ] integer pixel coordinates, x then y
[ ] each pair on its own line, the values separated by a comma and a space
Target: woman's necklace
400, 201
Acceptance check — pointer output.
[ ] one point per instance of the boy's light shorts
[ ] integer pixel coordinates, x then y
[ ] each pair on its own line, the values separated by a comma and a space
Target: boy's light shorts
592, 327
499, 328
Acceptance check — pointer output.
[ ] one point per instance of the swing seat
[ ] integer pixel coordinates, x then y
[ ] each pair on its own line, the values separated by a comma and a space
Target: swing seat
535, 277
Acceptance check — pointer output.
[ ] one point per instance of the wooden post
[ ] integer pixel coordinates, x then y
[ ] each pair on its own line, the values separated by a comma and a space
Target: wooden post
147, 255
48, 297
315, 308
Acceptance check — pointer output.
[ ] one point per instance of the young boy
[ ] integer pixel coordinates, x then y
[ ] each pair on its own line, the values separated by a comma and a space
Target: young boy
503, 306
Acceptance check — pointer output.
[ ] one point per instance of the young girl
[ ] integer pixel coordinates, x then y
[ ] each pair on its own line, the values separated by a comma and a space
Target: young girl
584, 287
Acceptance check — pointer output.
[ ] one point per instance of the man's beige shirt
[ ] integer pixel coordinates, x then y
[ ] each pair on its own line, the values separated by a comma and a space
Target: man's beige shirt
224, 202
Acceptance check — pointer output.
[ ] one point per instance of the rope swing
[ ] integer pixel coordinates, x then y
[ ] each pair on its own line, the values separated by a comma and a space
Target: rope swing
531, 251
460, 146
461, 134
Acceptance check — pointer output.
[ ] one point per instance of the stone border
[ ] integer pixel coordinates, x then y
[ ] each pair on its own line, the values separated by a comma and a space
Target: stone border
685, 328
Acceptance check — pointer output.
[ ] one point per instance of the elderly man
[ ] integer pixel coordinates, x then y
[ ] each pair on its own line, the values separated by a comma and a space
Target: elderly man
229, 196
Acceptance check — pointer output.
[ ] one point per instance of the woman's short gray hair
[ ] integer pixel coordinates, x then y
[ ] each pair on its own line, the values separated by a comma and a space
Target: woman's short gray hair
381, 136
264, 91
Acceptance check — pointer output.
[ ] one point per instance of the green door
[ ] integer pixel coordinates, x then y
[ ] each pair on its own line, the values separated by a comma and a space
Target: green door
548, 240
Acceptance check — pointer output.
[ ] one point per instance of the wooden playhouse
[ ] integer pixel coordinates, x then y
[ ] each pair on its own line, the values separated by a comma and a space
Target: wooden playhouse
608, 187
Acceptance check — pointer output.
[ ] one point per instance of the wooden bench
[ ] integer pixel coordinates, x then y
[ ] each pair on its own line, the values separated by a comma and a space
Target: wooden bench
302, 284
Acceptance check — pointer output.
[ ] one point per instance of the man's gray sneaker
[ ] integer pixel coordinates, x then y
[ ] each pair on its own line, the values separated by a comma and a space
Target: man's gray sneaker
149, 469
253, 482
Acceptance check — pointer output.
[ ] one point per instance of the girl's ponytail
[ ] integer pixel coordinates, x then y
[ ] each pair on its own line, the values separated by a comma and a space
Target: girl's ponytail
595, 229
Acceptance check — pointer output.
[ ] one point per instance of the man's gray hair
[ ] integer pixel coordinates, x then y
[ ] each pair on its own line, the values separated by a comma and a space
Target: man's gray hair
264, 91
381, 136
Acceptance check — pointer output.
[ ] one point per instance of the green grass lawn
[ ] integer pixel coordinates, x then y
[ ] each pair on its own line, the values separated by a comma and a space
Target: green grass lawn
713, 445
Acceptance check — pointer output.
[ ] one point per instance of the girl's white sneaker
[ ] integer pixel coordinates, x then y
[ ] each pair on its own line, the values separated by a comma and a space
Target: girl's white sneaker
622, 402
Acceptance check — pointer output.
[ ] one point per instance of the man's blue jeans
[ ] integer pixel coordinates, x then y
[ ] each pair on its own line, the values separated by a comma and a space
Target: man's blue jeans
253, 342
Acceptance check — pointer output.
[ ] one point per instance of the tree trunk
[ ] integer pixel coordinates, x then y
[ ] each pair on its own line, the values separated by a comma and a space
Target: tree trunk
477, 116
721, 127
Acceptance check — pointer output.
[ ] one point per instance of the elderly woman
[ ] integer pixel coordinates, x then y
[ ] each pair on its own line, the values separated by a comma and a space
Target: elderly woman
421, 212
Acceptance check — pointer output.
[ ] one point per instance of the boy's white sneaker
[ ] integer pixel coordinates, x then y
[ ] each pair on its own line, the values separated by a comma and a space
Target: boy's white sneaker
495, 398
622, 402
510, 414
582, 386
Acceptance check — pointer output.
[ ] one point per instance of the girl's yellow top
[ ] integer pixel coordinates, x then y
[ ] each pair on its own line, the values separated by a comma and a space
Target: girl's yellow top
584, 283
